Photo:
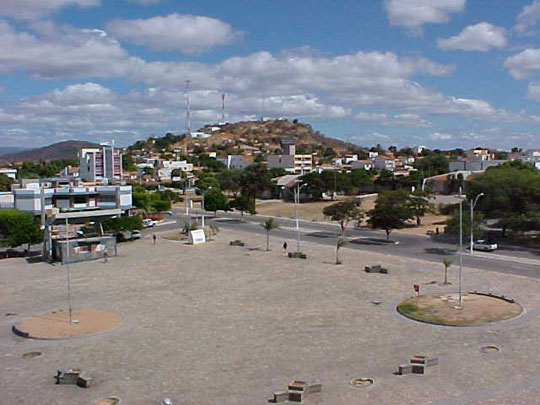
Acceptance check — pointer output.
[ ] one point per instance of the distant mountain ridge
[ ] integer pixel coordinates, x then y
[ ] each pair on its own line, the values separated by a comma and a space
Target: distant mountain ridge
11, 149
57, 151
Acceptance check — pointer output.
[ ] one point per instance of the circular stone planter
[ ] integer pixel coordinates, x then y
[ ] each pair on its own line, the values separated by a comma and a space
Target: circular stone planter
31, 355
362, 382
109, 401
490, 349
442, 309
55, 324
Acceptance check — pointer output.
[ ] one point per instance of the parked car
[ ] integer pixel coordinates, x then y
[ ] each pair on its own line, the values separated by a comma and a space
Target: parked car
485, 246
148, 223
136, 234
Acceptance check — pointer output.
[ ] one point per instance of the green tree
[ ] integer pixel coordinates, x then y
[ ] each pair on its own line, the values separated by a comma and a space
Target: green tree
243, 204
161, 205
452, 223
391, 211
343, 212
215, 200
419, 206
269, 225
18, 227
511, 194
229, 180
206, 181
5, 183
123, 223
255, 180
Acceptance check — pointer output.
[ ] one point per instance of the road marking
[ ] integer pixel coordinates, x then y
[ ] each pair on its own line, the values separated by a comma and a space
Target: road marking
522, 260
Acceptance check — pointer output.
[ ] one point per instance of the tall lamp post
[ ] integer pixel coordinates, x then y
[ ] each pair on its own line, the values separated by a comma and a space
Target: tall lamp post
68, 273
473, 204
296, 202
461, 197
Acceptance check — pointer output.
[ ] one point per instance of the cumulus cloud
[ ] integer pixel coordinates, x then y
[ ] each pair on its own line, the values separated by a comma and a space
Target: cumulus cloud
397, 120
145, 2
524, 63
533, 91
528, 17
63, 52
175, 32
414, 13
478, 37
32, 9
439, 136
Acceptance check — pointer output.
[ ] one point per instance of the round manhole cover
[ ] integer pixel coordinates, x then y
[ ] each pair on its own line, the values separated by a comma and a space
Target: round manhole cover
361, 382
491, 349
109, 401
31, 355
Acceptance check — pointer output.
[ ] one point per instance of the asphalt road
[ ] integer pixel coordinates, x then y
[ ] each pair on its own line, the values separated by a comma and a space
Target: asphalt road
404, 245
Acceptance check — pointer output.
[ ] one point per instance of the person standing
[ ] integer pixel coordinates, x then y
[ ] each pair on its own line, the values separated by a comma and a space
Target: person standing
154, 237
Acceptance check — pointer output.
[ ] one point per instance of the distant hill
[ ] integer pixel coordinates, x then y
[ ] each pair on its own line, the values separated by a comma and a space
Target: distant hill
273, 131
57, 151
265, 135
11, 149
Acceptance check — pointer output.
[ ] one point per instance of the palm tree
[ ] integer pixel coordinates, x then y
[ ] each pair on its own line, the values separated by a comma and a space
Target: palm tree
446, 263
268, 225
340, 243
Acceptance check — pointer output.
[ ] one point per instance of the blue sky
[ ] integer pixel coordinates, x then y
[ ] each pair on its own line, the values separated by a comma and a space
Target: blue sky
441, 73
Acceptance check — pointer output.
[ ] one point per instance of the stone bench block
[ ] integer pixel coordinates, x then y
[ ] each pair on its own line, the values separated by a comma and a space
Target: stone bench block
297, 396
280, 396
314, 387
405, 369
418, 368
427, 361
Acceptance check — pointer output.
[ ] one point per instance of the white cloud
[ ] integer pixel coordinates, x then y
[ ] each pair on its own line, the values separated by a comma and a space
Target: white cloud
414, 13
524, 63
439, 136
175, 32
62, 52
397, 120
528, 17
32, 9
533, 91
479, 37
145, 2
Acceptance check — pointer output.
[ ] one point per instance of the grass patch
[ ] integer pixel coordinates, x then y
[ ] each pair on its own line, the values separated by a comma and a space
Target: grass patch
407, 308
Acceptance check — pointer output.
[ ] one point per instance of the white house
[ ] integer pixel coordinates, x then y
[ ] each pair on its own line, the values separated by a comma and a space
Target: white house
382, 162
234, 161
168, 166
11, 173
362, 164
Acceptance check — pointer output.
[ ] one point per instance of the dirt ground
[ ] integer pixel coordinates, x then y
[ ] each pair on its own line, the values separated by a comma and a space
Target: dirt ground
55, 324
475, 309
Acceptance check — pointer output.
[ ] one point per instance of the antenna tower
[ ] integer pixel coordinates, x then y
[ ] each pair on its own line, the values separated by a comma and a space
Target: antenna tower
223, 108
188, 117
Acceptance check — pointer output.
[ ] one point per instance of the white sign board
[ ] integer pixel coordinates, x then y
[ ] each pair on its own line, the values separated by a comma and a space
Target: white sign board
197, 236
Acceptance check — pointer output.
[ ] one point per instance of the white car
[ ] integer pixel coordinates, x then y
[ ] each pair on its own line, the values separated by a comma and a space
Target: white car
148, 223
483, 245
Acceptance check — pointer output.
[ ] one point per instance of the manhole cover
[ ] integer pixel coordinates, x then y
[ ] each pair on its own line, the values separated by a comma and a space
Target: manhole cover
30, 355
109, 401
362, 382
491, 349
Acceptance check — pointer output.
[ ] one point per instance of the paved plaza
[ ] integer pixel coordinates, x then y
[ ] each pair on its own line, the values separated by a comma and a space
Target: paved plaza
216, 324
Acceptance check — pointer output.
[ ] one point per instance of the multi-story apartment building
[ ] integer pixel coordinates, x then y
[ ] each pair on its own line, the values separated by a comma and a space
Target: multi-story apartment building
100, 164
297, 164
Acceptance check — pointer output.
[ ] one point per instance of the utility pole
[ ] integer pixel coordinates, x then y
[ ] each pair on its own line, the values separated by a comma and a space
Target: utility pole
473, 204
68, 274
223, 108
188, 117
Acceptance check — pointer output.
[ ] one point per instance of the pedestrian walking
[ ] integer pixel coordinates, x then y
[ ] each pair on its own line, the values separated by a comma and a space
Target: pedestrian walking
154, 237
105, 257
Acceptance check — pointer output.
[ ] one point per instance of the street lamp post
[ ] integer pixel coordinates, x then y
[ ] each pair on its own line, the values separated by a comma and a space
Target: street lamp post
68, 273
296, 202
202, 206
460, 244
473, 204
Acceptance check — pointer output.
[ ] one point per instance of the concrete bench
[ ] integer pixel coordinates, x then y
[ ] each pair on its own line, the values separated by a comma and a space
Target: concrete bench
427, 361
236, 243
297, 255
376, 269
